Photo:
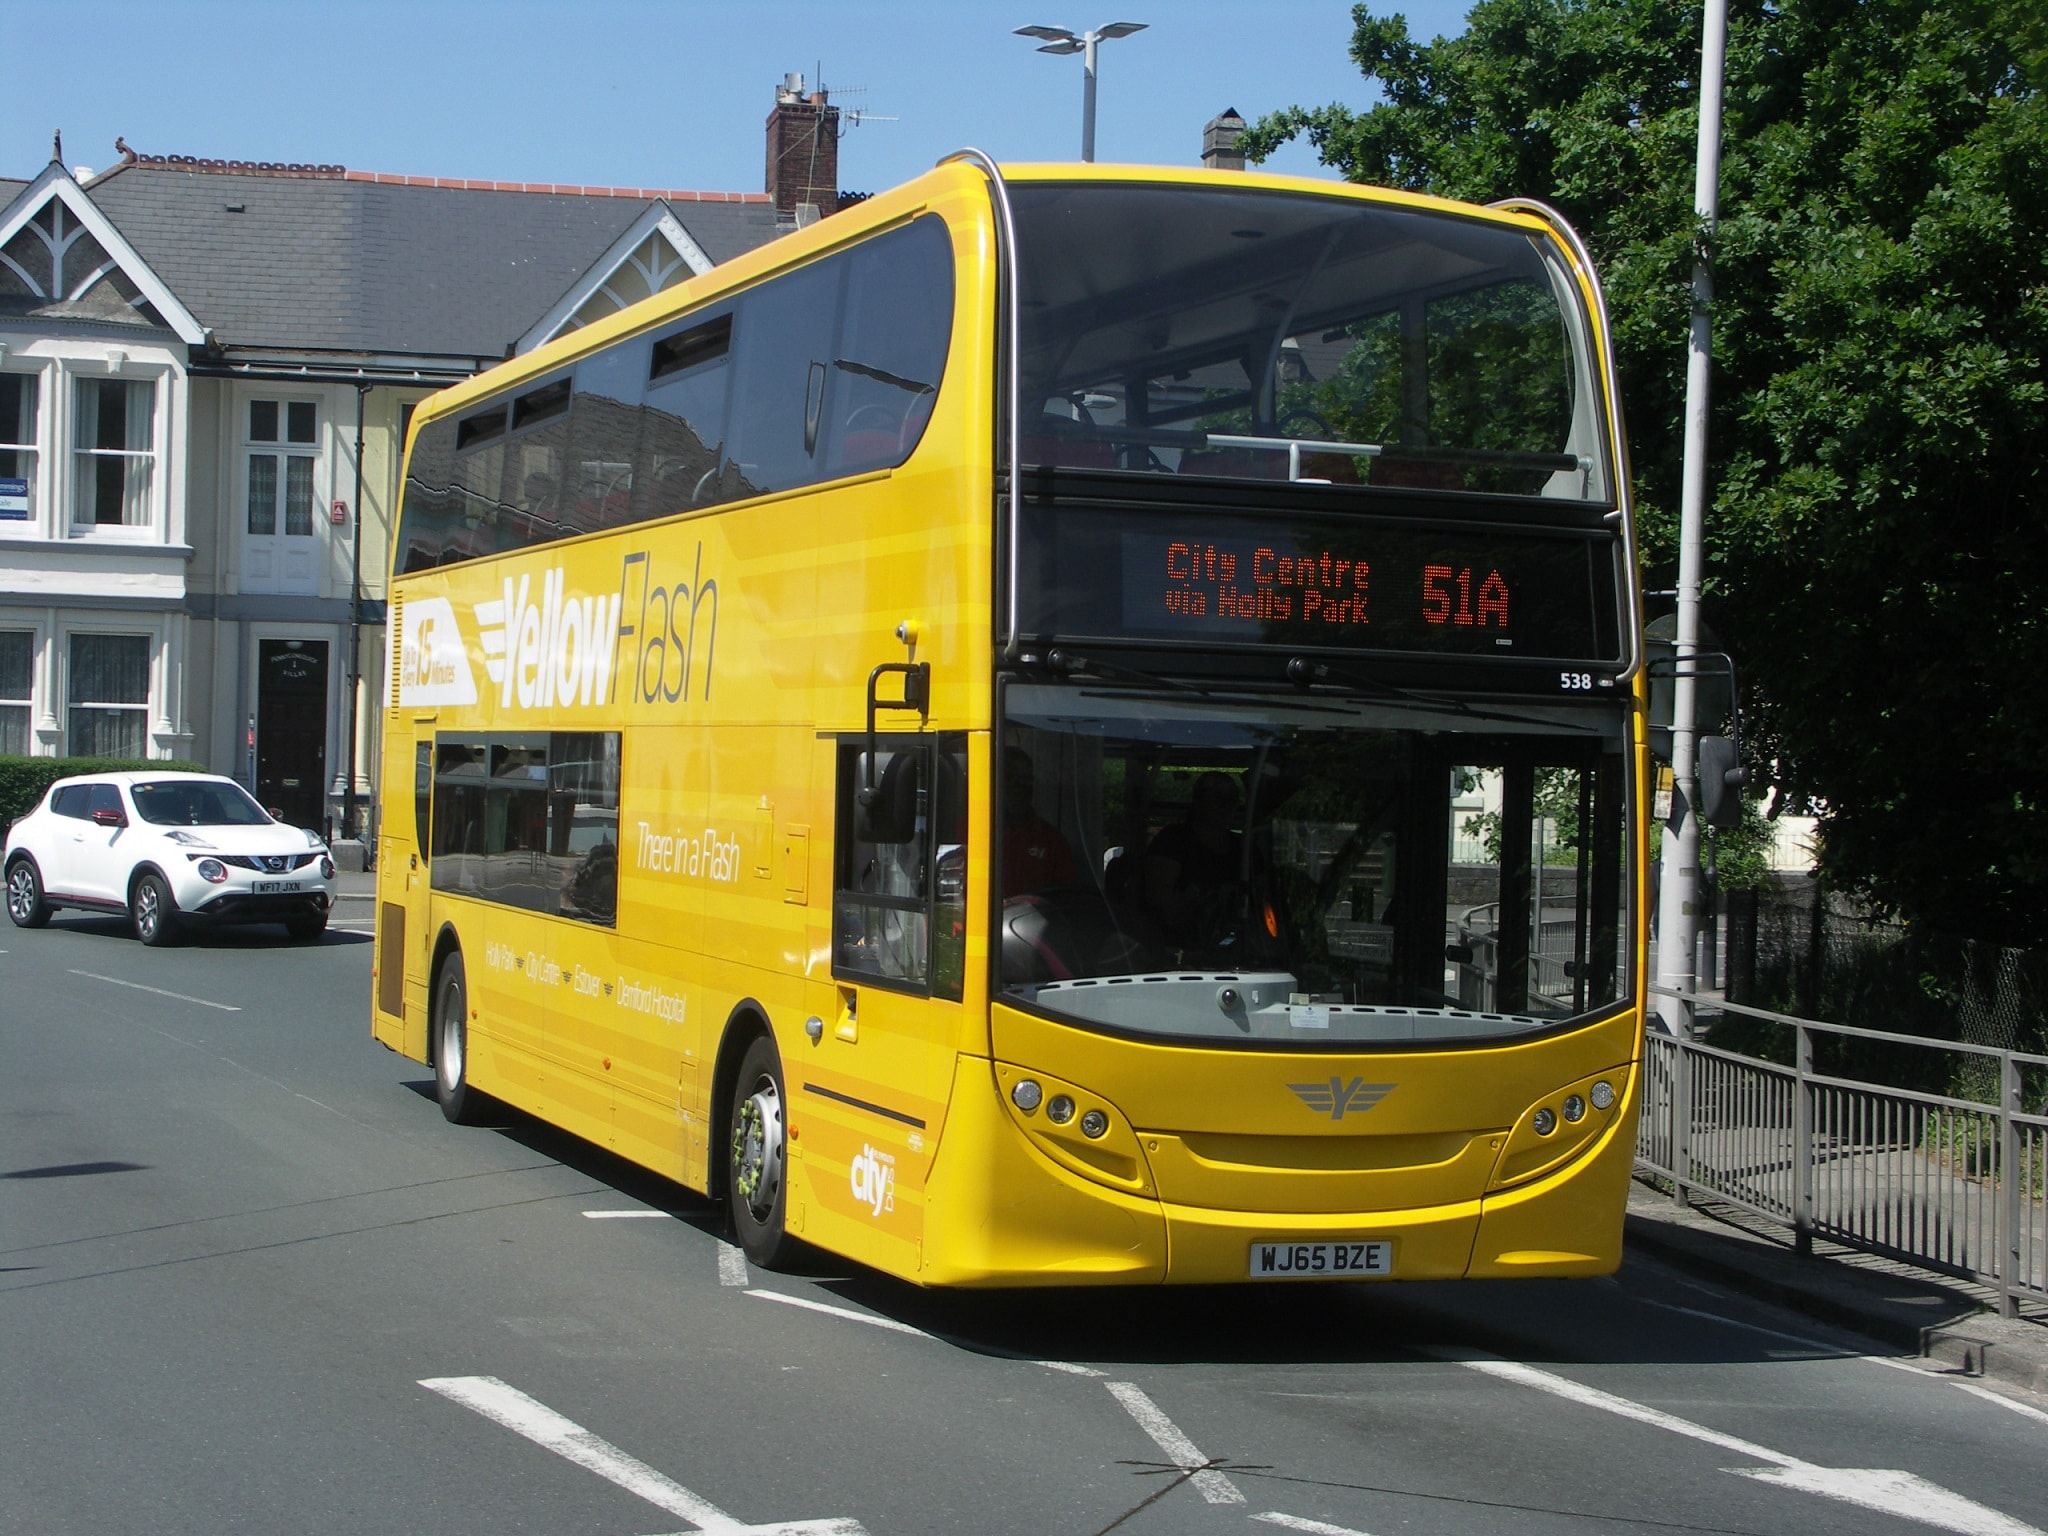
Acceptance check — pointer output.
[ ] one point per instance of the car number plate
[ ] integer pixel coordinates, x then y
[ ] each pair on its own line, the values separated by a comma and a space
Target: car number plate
274, 887
1281, 1260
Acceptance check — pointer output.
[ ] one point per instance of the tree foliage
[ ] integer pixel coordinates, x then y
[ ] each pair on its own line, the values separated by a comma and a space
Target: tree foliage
1878, 531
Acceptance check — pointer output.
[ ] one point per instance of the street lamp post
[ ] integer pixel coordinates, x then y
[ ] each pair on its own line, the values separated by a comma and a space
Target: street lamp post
1678, 890
1060, 40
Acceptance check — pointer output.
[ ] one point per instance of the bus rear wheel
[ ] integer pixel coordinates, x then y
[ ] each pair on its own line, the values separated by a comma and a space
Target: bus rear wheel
461, 1103
756, 1183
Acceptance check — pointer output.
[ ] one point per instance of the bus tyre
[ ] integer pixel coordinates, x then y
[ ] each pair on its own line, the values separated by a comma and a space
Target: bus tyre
154, 911
25, 905
756, 1184
461, 1103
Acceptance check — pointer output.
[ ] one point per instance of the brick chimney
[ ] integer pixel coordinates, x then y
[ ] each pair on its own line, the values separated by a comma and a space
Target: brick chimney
1219, 142
803, 153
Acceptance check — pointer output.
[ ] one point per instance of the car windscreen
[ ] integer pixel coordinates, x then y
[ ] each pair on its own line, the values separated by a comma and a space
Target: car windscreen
185, 803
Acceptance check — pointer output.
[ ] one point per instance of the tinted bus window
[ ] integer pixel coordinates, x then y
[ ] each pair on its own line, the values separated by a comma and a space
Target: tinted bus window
785, 378
829, 370
530, 821
688, 399
892, 347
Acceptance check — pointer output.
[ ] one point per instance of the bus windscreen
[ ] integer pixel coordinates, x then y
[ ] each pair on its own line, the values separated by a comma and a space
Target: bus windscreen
1284, 336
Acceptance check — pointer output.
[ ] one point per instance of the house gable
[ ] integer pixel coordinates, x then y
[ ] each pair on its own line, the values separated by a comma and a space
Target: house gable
654, 253
60, 257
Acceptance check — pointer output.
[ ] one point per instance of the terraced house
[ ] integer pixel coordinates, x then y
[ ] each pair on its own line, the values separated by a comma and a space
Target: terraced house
206, 371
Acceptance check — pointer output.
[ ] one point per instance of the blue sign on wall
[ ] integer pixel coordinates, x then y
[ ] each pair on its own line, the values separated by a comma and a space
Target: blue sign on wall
13, 500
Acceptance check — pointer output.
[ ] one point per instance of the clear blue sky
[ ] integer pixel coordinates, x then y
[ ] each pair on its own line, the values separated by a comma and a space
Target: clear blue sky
635, 93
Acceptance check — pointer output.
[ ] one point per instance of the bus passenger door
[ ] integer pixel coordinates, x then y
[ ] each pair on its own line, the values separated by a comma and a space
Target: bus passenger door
872, 1096
404, 937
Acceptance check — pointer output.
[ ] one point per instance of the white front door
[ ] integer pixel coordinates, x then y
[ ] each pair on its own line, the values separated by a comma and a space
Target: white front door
283, 540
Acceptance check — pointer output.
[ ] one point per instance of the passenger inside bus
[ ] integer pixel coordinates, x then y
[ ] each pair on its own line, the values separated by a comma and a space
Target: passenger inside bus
1192, 862
1035, 852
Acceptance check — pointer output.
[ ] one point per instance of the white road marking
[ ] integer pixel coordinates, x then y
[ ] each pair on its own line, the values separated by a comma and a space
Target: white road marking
1314, 1527
2004, 1402
159, 991
1211, 1484
629, 1215
1897, 1365
1891, 1491
523, 1415
848, 1313
1069, 1367
732, 1267
1769, 1333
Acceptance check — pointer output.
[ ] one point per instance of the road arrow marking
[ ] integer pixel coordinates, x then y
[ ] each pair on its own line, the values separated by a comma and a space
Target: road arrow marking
523, 1415
1894, 1492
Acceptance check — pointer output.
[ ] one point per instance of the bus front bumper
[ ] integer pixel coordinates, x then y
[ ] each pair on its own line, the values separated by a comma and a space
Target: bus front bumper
1001, 1213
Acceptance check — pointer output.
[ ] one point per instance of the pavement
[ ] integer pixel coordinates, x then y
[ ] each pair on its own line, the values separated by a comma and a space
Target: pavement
1950, 1322
355, 897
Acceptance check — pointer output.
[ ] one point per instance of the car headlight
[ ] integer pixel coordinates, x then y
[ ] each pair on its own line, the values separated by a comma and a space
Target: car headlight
211, 870
186, 839
313, 839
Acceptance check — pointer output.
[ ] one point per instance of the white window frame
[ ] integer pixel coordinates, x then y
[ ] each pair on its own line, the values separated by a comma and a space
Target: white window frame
25, 702
154, 529
37, 449
153, 639
282, 448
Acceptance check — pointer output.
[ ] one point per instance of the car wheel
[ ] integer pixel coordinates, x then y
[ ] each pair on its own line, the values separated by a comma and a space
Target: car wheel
307, 930
461, 1103
756, 1183
25, 905
154, 911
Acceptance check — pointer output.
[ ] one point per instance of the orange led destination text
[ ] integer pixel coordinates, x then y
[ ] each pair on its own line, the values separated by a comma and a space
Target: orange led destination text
1331, 589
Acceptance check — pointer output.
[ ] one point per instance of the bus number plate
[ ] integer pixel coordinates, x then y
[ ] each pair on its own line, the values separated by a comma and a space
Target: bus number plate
274, 887
1319, 1261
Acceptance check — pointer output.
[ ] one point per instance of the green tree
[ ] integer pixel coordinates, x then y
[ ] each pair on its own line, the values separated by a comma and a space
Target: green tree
1878, 538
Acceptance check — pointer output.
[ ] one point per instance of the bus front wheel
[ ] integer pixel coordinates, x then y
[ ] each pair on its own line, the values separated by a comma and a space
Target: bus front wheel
461, 1103
756, 1183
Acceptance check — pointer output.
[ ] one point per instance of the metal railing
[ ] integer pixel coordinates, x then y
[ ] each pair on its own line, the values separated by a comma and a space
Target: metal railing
1950, 1183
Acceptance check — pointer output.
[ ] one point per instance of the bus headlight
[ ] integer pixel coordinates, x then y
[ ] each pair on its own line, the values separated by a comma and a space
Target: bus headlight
1060, 1109
1094, 1124
1603, 1095
1574, 1108
1026, 1095
1545, 1121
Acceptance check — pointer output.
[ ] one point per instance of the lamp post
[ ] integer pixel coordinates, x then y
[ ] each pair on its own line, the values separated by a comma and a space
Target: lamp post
1060, 40
1677, 916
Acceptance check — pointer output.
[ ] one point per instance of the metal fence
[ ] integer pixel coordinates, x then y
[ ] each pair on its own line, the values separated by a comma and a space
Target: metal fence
1949, 1182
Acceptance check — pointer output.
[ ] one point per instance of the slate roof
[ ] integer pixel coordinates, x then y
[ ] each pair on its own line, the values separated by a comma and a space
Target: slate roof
368, 263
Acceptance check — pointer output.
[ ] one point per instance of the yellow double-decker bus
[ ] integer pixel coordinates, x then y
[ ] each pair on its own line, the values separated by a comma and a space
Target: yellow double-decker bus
1067, 724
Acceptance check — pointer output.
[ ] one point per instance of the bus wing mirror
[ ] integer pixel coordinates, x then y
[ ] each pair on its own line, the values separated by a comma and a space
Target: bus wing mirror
917, 695
1721, 779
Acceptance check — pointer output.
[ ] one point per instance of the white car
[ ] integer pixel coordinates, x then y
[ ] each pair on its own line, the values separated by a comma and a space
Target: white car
169, 850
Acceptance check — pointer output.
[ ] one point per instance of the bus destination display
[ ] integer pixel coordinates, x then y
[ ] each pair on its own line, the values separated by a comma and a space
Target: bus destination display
1341, 586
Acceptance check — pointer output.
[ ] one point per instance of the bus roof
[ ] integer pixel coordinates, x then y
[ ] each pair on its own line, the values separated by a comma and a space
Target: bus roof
948, 178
